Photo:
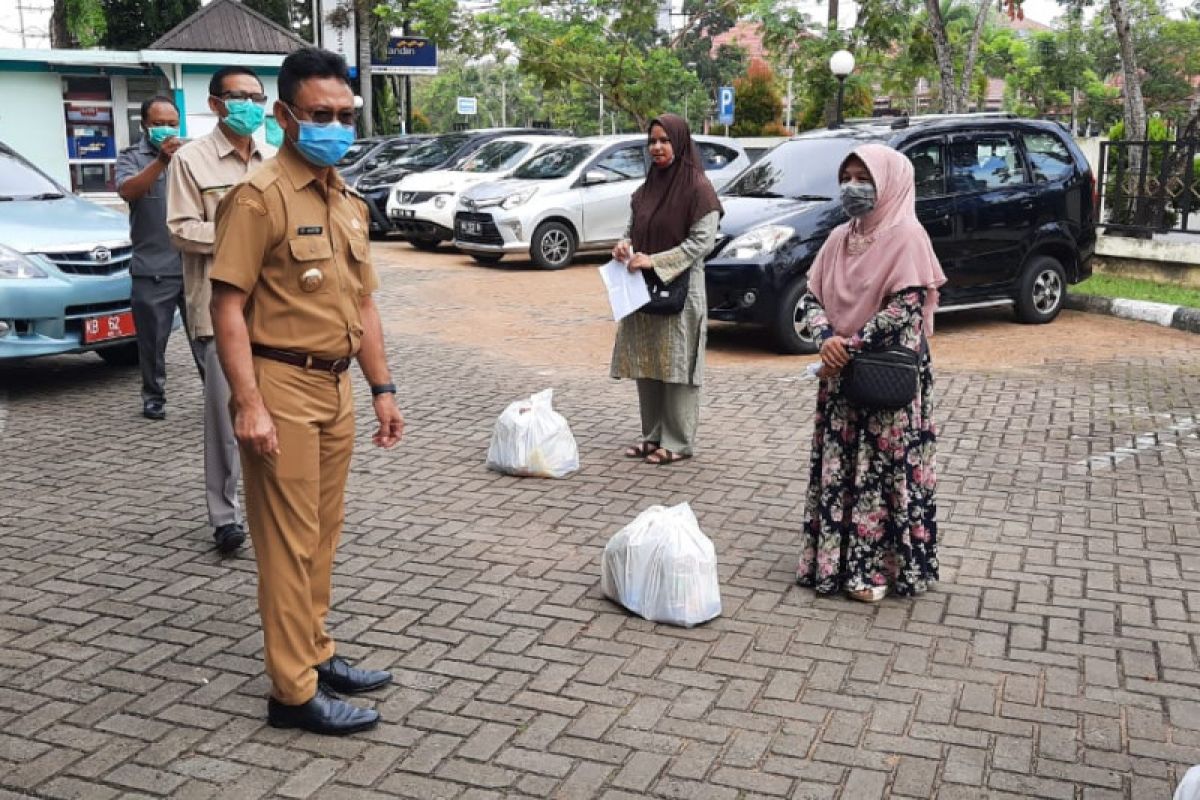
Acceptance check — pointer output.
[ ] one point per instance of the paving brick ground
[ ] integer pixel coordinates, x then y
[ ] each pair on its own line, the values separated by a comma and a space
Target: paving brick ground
1058, 658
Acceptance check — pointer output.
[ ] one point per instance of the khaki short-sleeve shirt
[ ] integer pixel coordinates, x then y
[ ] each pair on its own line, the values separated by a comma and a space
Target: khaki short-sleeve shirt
298, 247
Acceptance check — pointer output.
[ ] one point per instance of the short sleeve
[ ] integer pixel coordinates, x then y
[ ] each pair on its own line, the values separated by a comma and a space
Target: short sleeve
127, 166
243, 237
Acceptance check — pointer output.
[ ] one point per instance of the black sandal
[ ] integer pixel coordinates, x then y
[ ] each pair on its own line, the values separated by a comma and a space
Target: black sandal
662, 456
641, 450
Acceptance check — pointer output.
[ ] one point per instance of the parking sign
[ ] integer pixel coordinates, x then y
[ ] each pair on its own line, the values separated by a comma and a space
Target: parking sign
725, 105
467, 106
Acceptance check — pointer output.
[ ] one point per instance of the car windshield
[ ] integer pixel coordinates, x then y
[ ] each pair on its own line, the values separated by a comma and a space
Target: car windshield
433, 152
19, 181
555, 163
496, 156
357, 150
804, 169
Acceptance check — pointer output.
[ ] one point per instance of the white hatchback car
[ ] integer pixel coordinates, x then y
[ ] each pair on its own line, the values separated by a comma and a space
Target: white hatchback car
421, 205
573, 198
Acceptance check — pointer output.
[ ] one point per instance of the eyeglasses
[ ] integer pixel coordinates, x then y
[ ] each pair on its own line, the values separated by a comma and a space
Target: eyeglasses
323, 116
258, 98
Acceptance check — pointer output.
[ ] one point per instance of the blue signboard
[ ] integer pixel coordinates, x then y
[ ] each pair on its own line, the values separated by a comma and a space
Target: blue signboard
407, 55
725, 105
96, 146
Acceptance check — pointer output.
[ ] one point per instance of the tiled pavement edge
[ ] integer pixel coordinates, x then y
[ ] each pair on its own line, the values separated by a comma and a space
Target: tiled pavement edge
1182, 318
1058, 658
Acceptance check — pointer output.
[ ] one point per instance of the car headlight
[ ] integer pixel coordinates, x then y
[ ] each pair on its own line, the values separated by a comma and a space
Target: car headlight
16, 265
514, 200
758, 242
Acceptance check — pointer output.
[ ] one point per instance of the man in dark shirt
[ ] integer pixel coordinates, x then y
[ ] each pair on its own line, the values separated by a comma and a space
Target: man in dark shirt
156, 268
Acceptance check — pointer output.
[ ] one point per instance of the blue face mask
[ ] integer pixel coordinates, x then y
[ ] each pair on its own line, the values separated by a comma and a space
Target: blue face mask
323, 144
245, 116
160, 133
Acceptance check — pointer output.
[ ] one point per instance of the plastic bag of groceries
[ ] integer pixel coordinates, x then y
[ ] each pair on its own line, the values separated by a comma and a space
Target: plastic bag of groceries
662, 567
532, 439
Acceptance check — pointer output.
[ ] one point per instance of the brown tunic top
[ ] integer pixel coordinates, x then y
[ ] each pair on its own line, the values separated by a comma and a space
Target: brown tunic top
298, 246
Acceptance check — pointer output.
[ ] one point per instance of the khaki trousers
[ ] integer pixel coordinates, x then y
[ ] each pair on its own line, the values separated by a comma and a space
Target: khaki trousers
670, 414
295, 507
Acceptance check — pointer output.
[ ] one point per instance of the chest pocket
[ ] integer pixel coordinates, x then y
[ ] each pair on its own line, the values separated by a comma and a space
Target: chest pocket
360, 254
313, 268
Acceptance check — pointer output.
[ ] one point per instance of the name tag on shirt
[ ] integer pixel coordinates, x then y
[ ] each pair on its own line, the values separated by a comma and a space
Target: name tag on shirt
310, 230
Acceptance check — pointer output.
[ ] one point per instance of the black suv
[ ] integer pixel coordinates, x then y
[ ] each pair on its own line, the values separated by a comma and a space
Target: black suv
437, 152
1007, 202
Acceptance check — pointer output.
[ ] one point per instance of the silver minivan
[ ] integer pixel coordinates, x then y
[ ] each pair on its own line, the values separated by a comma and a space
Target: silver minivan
570, 199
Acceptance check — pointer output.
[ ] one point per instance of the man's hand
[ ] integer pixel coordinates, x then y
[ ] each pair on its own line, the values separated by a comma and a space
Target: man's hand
834, 352
168, 148
391, 421
254, 428
640, 261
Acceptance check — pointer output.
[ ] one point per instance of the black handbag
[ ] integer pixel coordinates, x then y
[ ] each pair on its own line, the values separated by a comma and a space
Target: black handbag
666, 298
884, 379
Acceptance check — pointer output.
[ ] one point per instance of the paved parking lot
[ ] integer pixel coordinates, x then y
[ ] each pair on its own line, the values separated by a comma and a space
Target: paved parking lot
1058, 658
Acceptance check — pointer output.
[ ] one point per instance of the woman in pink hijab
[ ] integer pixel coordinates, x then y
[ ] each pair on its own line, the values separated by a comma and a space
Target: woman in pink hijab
871, 516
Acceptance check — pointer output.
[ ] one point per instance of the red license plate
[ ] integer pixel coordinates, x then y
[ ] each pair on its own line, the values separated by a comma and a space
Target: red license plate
109, 326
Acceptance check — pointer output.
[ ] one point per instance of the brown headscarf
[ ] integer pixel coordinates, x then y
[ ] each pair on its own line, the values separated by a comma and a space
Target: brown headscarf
674, 197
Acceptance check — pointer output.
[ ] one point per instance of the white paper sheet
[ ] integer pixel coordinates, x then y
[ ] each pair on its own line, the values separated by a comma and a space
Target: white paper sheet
627, 290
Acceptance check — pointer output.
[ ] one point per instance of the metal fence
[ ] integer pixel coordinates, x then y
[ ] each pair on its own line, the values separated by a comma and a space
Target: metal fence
1149, 187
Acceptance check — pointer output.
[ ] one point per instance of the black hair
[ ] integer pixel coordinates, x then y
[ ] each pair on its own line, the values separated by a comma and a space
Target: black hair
306, 63
158, 98
216, 84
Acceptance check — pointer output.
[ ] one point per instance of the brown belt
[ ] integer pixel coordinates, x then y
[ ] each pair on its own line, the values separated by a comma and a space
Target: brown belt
302, 360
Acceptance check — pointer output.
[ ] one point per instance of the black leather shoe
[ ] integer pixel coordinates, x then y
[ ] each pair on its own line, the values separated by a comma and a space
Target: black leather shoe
154, 410
229, 537
341, 677
323, 714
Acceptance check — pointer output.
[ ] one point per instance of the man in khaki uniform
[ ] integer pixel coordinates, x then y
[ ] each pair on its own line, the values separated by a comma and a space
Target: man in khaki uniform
202, 171
291, 307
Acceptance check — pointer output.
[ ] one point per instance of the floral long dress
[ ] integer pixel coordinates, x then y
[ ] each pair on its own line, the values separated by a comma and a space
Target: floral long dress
871, 512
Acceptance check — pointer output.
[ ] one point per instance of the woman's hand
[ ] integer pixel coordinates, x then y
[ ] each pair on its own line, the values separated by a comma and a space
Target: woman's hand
834, 352
622, 252
640, 261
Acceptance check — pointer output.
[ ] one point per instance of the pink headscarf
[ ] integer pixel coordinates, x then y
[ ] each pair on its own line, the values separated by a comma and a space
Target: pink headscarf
867, 260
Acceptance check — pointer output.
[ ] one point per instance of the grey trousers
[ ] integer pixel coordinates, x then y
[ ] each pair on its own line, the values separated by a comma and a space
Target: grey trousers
670, 414
154, 302
222, 465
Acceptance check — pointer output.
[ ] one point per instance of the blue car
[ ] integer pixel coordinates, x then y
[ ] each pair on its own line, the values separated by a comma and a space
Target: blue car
64, 270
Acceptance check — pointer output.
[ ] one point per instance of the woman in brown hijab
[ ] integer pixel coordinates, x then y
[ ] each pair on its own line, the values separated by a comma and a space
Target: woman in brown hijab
672, 228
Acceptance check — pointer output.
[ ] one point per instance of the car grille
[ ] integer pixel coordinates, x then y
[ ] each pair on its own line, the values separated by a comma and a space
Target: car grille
489, 233
412, 198
94, 309
95, 261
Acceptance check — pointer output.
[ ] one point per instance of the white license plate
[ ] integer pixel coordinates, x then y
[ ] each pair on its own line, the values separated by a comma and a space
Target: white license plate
471, 228
404, 213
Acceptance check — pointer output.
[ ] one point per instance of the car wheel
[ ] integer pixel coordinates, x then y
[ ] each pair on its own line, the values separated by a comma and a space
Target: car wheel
1042, 291
553, 245
791, 335
486, 258
378, 236
121, 355
425, 244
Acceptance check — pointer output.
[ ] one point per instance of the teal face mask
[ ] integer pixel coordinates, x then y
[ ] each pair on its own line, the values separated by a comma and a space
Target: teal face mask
160, 133
245, 116
274, 133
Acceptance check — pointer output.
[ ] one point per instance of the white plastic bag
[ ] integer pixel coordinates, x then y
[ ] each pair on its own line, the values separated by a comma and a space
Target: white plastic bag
662, 567
1189, 787
532, 439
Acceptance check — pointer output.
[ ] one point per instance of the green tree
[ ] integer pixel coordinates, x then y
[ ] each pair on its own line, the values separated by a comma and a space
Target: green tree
77, 23
758, 101
295, 15
134, 24
610, 48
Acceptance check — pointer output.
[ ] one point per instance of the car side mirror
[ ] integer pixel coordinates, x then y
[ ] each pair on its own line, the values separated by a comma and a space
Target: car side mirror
595, 176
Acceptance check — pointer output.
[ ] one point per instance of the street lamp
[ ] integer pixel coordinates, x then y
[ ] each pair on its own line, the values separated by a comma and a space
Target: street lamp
691, 65
841, 64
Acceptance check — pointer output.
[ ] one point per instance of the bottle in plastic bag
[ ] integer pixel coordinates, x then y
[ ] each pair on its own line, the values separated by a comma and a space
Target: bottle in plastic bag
531, 439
